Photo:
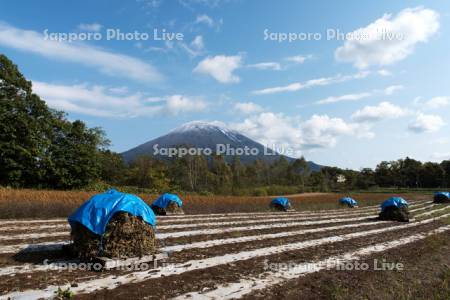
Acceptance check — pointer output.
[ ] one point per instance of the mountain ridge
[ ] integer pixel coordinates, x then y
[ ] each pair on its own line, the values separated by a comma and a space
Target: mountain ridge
199, 135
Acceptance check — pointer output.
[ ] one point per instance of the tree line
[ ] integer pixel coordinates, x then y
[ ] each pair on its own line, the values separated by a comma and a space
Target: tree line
215, 175
41, 148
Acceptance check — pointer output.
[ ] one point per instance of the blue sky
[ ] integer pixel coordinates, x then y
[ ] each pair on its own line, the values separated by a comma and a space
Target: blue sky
350, 101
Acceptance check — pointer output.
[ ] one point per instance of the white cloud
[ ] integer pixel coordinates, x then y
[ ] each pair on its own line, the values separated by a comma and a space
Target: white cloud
311, 83
437, 102
247, 107
272, 129
440, 156
384, 72
321, 131
442, 141
177, 104
299, 59
348, 97
204, 19
107, 62
290, 133
392, 89
150, 4
105, 102
119, 90
358, 96
384, 110
426, 123
198, 43
195, 48
409, 27
220, 67
94, 27
266, 66
209, 3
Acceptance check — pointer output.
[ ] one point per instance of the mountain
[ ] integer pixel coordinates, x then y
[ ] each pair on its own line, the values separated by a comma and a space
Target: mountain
202, 136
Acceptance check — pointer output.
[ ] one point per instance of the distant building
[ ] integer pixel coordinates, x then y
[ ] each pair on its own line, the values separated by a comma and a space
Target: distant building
340, 178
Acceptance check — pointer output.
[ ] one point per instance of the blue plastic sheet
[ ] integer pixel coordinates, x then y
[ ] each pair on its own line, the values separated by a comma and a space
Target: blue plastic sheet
95, 213
164, 200
394, 201
348, 201
282, 201
441, 194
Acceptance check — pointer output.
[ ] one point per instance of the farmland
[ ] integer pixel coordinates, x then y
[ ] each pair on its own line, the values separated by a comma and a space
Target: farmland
240, 252
30, 203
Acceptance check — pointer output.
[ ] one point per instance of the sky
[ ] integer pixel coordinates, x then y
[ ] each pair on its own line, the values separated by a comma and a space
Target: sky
343, 84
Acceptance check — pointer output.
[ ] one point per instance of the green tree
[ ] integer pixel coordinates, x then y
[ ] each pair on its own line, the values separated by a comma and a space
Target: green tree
38, 146
146, 172
431, 175
113, 169
445, 165
223, 176
74, 155
25, 127
297, 172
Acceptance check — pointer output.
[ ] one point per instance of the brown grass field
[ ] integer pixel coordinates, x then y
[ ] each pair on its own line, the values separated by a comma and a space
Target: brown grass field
27, 203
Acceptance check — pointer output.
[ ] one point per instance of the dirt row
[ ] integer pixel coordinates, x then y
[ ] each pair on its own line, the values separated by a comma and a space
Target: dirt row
179, 257
203, 280
425, 275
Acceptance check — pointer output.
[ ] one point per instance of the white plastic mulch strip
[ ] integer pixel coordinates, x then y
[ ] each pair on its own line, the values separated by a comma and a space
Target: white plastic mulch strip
29, 236
114, 281
306, 212
6, 249
258, 227
265, 220
347, 211
206, 244
29, 268
433, 211
191, 222
38, 247
287, 221
200, 245
34, 227
176, 234
278, 219
194, 217
248, 285
24, 221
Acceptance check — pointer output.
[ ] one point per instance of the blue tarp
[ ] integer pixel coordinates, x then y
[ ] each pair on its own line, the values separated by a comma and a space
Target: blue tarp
165, 199
394, 201
95, 213
282, 201
441, 194
348, 201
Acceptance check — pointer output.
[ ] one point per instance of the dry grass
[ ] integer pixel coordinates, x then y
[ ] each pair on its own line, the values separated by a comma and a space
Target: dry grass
25, 203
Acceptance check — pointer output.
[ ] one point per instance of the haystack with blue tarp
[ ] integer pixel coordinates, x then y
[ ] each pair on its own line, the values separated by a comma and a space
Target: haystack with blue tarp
350, 202
280, 204
442, 197
113, 224
395, 209
167, 204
